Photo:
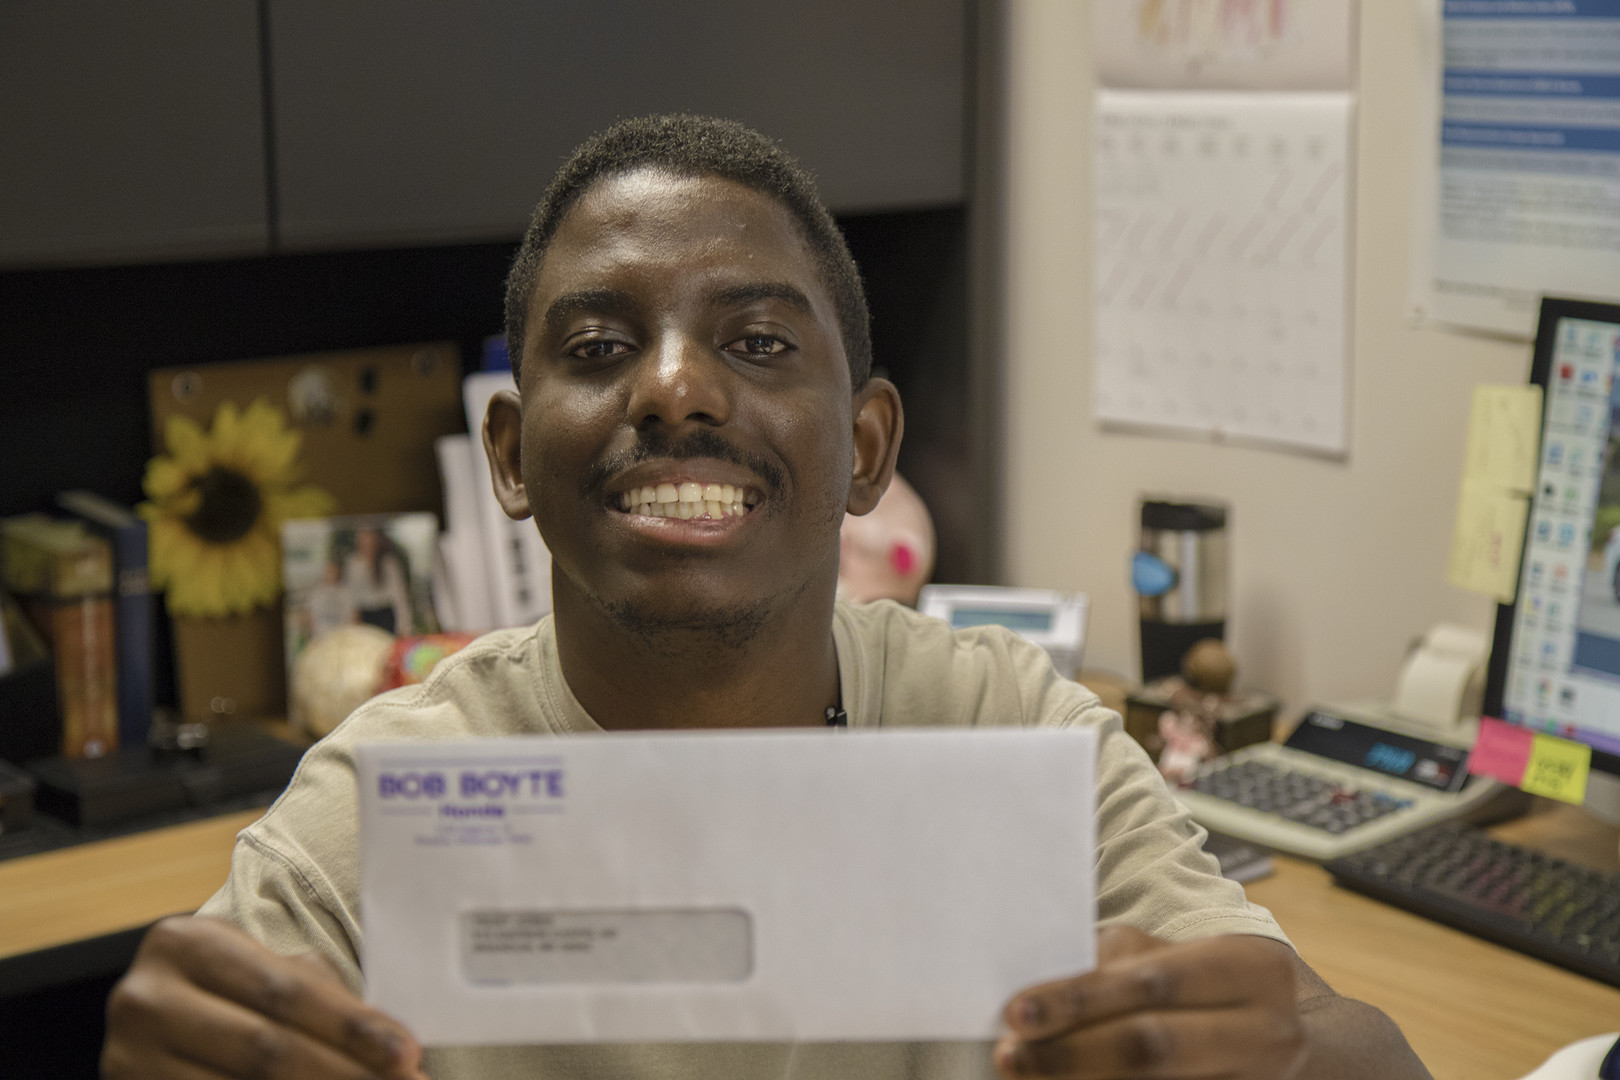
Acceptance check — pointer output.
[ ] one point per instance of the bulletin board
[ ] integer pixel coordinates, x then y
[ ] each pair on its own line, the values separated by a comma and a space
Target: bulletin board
368, 416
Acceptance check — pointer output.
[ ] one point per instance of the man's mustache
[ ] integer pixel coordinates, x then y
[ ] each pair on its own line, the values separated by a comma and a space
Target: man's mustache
657, 445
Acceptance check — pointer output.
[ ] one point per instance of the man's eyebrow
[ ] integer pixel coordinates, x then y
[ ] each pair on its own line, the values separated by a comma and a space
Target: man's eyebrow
569, 304
754, 292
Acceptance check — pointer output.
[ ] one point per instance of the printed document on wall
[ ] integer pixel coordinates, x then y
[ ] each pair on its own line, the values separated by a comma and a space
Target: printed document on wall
1521, 196
1222, 264
1224, 44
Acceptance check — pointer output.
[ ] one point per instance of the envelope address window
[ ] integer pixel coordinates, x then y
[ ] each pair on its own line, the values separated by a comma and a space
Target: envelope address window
676, 945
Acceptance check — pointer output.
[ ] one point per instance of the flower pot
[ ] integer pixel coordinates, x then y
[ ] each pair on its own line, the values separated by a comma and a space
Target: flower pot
231, 667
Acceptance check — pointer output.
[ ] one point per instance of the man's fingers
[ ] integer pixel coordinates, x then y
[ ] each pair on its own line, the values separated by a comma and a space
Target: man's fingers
185, 1032
120, 1061
219, 1035
1117, 942
320, 967
1211, 973
223, 961
1191, 1044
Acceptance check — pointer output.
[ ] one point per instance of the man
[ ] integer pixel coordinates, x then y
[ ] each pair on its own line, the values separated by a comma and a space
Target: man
694, 417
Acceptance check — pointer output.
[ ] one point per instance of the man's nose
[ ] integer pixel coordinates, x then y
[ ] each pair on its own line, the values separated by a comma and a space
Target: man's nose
680, 379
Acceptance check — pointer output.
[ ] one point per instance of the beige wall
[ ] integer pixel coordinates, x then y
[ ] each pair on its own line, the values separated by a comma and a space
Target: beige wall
1336, 564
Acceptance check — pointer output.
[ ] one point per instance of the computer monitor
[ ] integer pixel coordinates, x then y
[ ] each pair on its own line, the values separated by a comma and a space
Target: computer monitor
1555, 659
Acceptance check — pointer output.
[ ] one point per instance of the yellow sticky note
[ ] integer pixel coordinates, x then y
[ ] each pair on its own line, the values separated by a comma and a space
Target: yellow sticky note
1557, 769
1504, 437
1487, 540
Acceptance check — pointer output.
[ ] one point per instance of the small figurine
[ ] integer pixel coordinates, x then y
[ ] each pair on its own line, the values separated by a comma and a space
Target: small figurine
1187, 745
1188, 725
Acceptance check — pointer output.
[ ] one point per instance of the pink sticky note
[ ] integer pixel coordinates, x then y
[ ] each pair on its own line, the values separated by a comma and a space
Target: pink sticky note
1501, 751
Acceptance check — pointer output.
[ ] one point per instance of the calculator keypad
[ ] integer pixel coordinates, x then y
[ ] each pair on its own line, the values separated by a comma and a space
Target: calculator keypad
1296, 796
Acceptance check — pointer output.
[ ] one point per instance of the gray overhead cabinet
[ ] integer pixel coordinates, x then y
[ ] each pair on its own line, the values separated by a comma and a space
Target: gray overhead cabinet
412, 121
130, 132
176, 129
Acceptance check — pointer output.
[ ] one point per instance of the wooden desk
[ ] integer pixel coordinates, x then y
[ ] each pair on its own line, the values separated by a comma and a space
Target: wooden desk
103, 888
1472, 1010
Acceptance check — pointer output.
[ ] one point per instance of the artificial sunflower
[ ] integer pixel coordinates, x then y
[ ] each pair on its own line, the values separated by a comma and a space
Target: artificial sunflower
218, 499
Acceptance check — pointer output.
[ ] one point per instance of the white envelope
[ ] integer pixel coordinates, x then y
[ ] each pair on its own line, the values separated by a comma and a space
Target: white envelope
809, 885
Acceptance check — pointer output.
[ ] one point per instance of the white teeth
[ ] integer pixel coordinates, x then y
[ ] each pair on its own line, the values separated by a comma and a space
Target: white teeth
686, 511
687, 500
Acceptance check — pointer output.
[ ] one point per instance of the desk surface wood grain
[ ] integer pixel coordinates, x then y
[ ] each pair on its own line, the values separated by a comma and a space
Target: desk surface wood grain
101, 888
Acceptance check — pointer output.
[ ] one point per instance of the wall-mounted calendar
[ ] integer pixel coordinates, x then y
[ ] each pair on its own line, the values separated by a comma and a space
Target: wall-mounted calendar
1222, 264
1223, 156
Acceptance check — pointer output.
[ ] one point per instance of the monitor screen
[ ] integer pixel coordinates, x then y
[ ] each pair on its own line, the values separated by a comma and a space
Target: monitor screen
1019, 620
1555, 660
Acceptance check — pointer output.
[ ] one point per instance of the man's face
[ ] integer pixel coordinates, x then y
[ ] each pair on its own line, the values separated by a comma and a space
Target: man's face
686, 431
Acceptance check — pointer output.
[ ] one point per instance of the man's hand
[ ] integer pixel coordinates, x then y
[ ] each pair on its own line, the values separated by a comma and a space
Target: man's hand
204, 1000
1218, 1007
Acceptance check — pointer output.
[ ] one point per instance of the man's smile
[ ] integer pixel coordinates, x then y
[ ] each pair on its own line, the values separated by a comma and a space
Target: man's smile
689, 500
685, 500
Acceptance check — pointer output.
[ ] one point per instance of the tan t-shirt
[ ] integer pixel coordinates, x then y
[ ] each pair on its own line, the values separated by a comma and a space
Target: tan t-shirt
294, 880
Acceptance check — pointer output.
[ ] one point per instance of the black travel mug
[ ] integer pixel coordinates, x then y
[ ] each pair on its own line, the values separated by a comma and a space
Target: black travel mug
1179, 572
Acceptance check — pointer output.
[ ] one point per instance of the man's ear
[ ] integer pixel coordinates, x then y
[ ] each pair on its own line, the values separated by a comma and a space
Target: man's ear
503, 444
879, 423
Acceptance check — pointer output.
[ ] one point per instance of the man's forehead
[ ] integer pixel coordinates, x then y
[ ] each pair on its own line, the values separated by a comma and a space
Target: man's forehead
647, 213
622, 197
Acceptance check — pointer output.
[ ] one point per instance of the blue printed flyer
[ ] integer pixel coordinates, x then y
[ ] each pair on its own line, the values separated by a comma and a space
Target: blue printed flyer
1525, 190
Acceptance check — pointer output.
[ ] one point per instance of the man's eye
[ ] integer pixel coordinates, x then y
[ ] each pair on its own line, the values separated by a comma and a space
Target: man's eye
598, 349
759, 345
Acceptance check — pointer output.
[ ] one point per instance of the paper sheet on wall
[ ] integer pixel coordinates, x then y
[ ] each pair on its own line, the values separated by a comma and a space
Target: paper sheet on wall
1224, 44
1504, 434
1499, 474
1520, 195
1487, 541
1222, 264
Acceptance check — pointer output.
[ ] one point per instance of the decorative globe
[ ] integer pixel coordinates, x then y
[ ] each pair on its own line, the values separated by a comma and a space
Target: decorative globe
337, 672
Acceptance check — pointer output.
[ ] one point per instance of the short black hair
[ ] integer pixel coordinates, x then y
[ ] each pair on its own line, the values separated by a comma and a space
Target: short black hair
687, 145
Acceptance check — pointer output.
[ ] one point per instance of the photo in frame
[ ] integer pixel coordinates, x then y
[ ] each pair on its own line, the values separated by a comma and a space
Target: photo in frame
374, 570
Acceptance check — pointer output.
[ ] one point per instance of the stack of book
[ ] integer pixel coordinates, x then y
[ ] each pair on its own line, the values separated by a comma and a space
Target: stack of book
82, 584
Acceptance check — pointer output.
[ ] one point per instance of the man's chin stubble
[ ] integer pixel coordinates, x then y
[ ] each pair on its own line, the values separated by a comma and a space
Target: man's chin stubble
694, 631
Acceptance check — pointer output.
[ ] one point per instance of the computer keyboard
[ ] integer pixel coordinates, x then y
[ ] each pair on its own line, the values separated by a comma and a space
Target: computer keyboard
1554, 910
